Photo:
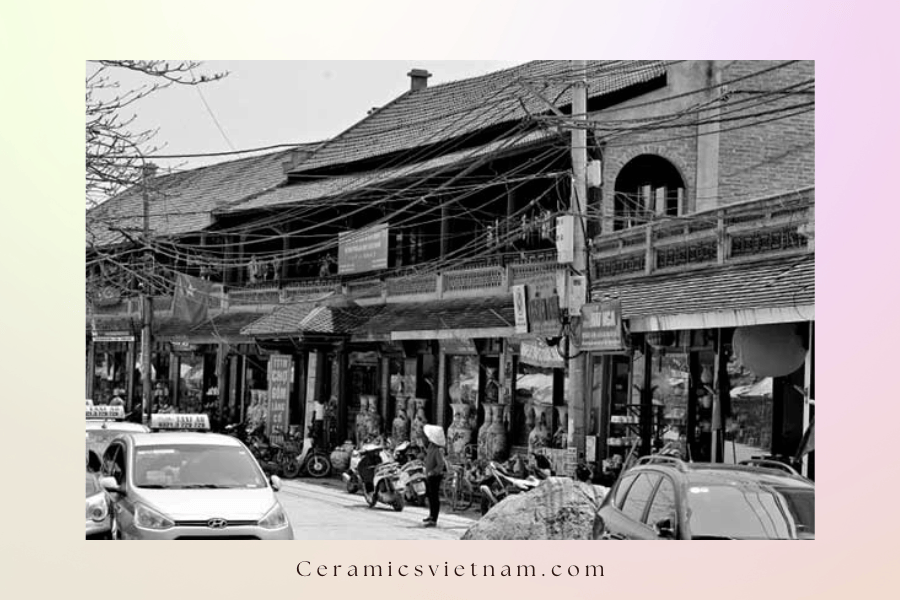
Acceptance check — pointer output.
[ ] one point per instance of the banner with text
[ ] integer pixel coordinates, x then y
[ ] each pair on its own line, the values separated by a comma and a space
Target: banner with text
363, 250
279, 376
601, 327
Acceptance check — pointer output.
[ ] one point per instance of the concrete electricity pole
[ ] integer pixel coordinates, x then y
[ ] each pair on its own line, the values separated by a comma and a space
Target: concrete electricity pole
149, 170
577, 365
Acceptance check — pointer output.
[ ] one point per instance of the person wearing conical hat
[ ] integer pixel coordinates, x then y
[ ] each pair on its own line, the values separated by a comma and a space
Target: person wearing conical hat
435, 465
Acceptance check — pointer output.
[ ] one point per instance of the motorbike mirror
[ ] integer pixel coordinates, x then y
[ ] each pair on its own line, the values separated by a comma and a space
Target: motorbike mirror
275, 480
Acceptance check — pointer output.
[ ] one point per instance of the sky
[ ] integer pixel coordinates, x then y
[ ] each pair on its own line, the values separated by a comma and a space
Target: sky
263, 103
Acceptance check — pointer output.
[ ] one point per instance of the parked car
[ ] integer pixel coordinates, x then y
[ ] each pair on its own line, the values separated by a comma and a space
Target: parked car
190, 485
666, 498
102, 424
98, 523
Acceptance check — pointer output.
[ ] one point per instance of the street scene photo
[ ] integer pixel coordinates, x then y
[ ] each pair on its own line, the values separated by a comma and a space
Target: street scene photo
450, 300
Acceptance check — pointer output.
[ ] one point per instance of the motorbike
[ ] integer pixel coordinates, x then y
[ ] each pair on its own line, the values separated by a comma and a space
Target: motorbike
411, 480
308, 458
271, 457
498, 483
374, 471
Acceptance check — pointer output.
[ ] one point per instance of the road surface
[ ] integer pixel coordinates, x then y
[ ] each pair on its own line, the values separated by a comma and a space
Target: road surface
317, 512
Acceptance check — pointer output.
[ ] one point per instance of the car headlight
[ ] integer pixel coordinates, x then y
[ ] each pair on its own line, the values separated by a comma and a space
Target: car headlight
96, 508
274, 519
147, 518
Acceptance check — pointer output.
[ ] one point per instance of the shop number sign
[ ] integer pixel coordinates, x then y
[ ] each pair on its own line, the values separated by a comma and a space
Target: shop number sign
279, 392
179, 421
104, 412
601, 326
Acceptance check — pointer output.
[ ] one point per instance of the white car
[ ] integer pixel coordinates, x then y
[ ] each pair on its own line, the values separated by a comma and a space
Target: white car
190, 485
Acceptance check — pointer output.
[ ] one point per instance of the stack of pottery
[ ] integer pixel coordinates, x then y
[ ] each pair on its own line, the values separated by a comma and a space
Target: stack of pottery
540, 435
373, 419
459, 434
400, 426
340, 457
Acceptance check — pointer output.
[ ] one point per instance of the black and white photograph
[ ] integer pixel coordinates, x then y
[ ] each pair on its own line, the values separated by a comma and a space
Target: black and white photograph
450, 300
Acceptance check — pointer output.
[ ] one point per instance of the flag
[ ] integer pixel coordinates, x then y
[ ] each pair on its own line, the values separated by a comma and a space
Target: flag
191, 299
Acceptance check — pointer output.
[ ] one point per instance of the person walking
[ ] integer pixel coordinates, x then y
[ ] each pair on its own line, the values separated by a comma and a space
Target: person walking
435, 465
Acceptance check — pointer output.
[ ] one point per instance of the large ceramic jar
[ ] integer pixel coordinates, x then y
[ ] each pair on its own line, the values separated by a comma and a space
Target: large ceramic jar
400, 426
484, 434
417, 433
373, 419
561, 436
497, 434
540, 435
459, 434
340, 457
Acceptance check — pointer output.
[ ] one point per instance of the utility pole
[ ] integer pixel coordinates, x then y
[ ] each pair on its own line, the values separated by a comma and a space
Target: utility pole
577, 365
148, 171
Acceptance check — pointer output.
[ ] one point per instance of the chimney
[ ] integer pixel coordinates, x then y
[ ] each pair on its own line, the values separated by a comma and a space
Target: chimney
418, 79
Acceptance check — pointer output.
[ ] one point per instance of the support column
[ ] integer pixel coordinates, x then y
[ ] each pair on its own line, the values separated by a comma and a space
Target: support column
174, 377
385, 397
441, 392
220, 375
129, 375
647, 402
89, 375
445, 230
695, 373
313, 376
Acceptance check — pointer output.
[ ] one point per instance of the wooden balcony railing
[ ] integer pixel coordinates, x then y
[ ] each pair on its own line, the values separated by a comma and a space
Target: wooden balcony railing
779, 224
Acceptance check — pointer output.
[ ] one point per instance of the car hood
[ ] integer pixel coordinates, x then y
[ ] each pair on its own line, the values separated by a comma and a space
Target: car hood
190, 505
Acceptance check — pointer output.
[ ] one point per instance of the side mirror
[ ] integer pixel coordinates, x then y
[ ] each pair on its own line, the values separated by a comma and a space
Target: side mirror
599, 527
275, 480
665, 529
110, 484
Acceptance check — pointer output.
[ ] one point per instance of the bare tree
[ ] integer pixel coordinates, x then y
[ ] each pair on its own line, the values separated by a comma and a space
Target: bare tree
114, 150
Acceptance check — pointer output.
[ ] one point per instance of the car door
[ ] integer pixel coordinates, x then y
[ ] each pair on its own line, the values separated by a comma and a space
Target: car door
624, 517
115, 465
662, 513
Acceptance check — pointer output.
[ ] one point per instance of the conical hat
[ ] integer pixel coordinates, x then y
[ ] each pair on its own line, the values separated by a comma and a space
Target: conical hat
435, 435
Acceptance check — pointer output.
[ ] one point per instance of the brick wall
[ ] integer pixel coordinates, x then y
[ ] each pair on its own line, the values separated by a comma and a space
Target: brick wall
771, 157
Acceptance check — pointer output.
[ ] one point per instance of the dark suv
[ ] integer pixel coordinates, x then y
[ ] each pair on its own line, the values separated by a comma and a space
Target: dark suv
664, 498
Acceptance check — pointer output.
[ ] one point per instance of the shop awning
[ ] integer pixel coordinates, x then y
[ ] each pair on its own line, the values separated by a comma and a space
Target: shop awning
772, 291
303, 319
487, 317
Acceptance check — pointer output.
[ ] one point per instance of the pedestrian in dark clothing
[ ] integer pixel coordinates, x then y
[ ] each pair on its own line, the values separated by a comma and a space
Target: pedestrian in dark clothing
435, 465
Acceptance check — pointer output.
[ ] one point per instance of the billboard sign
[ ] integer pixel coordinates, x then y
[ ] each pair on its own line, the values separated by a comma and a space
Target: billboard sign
363, 250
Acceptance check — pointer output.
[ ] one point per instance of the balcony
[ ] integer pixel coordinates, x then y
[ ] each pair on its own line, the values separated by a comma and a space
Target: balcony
776, 225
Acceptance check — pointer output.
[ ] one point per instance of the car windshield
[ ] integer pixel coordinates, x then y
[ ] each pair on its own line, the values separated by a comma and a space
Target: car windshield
736, 512
91, 486
196, 466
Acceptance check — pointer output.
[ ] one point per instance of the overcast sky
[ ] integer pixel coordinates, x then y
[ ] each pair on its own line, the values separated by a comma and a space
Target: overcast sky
262, 103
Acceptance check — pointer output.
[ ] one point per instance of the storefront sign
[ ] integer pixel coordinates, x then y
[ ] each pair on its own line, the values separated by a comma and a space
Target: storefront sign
459, 346
183, 347
544, 316
114, 336
537, 353
521, 308
279, 377
363, 250
601, 327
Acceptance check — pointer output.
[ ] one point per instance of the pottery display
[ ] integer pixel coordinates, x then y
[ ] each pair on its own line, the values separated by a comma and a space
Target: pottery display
459, 434
400, 425
497, 438
417, 433
561, 436
484, 434
540, 434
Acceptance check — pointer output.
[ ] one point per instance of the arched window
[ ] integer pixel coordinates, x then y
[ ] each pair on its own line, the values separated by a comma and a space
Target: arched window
647, 186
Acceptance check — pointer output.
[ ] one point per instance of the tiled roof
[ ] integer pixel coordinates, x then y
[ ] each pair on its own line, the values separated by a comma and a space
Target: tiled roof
469, 313
450, 110
181, 202
348, 184
225, 325
305, 318
776, 283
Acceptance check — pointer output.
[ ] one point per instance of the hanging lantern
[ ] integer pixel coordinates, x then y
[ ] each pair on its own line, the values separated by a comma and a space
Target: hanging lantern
769, 350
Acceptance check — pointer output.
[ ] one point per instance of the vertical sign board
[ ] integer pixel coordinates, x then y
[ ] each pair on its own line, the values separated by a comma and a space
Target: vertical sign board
565, 239
279, 392
601, 327
363, 250
521, 308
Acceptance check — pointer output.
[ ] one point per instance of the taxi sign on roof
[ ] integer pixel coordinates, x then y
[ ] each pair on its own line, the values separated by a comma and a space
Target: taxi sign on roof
176, 422
104, 412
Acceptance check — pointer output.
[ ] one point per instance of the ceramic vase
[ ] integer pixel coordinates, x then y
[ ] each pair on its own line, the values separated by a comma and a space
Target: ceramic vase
497, 439
459, 434
400, 425
540, 435
561, 437
484, 434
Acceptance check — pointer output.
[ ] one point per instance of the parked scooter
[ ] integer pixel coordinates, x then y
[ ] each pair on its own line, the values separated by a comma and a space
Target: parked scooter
498, 483
412, 474
309, 459
374, 471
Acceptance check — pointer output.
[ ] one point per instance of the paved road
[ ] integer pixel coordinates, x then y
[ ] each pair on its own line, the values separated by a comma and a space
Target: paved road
324, 513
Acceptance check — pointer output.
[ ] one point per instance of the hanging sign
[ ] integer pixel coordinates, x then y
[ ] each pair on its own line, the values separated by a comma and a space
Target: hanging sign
104, 412
521, 308
363, 250
114, 336
279, 375
537, 353
601, 326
